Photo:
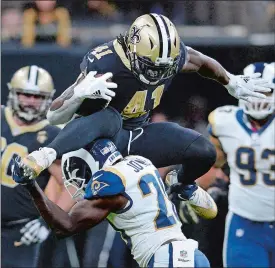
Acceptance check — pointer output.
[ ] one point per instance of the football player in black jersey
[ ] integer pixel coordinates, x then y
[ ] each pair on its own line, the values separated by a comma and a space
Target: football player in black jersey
24, 129
142, 64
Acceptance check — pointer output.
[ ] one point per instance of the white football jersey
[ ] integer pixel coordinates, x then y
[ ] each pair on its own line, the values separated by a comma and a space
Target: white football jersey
251, 158
149, 219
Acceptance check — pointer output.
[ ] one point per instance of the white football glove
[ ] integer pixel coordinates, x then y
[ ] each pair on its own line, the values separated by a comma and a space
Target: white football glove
34, 231
95, 87
248, 87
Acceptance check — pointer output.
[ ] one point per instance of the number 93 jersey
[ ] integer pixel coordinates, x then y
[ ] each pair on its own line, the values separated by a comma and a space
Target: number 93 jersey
149, 218
251, 158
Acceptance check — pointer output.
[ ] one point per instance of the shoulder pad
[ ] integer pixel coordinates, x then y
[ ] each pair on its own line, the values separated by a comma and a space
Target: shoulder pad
220, 119
106, 182
101, 59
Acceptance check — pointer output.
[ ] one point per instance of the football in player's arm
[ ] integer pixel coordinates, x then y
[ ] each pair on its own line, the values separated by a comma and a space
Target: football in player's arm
142, 63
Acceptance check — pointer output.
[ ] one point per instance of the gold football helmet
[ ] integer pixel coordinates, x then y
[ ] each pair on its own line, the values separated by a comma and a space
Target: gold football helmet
31, 80
153, 48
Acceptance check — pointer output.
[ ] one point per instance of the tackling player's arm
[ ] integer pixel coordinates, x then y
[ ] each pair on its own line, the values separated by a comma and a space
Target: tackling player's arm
83, 215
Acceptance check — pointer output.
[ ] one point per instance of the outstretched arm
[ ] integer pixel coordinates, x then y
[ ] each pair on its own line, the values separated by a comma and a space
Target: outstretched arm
205, 66
239, 86
83, 215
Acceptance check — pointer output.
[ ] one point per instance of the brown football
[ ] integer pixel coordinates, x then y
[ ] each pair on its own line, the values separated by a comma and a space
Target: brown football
90, 106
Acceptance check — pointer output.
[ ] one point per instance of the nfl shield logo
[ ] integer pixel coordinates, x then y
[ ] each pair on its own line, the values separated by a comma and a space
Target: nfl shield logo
183, 253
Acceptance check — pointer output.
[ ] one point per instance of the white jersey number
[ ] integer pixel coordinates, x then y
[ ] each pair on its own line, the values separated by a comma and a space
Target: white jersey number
249, 165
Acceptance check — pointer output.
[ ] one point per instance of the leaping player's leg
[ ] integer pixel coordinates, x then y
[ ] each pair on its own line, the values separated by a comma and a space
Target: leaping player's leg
75, 135
168, 144
244, 243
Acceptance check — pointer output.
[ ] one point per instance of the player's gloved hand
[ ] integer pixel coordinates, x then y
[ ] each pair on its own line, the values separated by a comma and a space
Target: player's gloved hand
35, 231
18, 173
248, 87
95, 87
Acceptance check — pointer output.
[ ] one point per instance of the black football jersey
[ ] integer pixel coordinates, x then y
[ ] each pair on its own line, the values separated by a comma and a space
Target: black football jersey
134, 99
20, 140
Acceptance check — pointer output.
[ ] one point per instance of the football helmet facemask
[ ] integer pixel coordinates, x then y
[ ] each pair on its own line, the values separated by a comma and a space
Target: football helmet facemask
79, 166
260, 108
30, 80
153, 48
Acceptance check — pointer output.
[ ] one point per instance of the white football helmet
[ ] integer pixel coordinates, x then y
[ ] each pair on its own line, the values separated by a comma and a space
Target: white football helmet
260, 108
79, 166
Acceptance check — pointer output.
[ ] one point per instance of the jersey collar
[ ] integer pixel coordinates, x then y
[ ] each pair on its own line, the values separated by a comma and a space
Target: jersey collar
242, 119
18, 130
120, 52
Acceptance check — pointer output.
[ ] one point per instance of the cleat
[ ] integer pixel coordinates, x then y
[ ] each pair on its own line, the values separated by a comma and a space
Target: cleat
37, 161
201, 202
30, 167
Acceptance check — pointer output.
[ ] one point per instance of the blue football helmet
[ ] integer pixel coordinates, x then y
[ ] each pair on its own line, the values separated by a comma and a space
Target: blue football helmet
79, 166
260, 108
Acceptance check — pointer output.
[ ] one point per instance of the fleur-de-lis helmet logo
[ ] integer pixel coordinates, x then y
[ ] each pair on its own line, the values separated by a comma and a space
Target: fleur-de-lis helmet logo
135, 35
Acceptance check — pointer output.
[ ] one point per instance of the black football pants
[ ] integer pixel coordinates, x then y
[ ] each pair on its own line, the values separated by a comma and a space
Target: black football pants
164, 143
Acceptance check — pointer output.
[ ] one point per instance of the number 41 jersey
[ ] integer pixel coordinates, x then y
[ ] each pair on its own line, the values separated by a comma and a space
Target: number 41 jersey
149, 219
251, 158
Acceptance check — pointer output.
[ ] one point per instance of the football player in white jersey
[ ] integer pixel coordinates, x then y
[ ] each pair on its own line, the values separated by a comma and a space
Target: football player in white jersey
244, 137
131, 195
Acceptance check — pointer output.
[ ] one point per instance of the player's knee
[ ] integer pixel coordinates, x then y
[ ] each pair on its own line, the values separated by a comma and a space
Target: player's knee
206, 152
201, 260
114, 120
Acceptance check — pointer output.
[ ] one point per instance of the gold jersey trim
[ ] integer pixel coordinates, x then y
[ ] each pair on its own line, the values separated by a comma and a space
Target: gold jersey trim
18, 130
120, 52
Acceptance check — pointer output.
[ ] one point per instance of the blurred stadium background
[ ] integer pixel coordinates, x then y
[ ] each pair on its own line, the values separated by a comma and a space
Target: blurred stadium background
56, 34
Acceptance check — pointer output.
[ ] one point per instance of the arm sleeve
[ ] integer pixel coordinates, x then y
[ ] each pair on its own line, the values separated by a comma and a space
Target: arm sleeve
183, 56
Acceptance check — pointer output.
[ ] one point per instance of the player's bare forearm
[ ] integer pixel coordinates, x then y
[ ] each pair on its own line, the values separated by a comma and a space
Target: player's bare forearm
83, 215
58, 220
64, 107
205, 66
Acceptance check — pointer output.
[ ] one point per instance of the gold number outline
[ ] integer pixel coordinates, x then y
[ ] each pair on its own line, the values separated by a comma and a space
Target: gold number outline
7, 153
135, 106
